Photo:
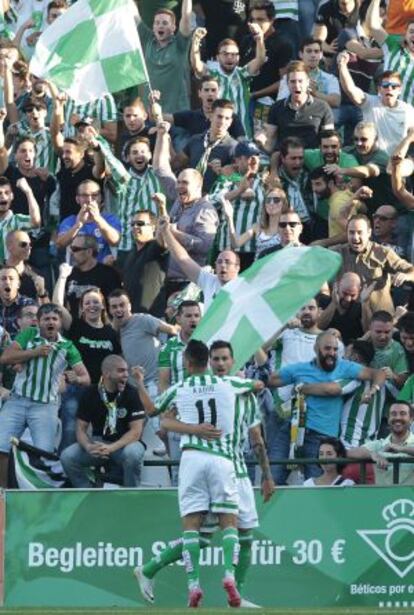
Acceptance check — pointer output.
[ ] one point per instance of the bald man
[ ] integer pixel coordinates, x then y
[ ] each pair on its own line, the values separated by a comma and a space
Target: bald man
319, 380
384, 222
349, 310
115, 414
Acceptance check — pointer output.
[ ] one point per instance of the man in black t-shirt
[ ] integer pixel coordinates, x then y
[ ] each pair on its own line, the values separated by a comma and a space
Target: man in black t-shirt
86, 273
146, 266
114, 412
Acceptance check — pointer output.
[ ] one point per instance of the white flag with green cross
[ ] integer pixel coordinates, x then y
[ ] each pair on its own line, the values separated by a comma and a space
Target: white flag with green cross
249, 310
92, 49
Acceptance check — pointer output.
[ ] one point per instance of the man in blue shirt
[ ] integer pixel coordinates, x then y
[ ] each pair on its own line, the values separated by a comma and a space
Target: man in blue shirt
320, 381
91, 220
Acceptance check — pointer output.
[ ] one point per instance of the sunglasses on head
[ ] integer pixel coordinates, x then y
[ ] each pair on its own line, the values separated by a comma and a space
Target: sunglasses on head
290, 224
140, 223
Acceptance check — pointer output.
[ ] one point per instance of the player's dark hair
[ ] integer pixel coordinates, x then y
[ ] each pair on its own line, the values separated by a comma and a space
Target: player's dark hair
196, 354
382, 316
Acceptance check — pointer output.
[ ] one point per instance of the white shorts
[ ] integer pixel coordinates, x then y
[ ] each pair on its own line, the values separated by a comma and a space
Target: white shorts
247, 517
206, 482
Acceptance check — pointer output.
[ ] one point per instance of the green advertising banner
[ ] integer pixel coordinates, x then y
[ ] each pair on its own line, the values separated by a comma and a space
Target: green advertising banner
314, 548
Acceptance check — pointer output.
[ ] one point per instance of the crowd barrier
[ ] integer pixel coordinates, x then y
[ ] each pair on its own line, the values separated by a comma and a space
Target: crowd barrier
322, 547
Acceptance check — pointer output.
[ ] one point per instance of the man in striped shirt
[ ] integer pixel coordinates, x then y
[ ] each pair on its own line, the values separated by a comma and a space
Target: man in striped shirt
44, 356
234, 80
134, 186
206, 406
247, 425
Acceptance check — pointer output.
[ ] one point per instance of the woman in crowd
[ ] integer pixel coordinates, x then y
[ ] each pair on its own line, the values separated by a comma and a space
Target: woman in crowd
330, 448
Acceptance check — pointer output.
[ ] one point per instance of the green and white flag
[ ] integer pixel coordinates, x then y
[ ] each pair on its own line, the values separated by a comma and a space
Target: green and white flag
92, 49
249, 310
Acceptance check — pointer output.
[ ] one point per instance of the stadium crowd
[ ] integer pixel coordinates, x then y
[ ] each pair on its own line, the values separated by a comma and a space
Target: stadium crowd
268, 124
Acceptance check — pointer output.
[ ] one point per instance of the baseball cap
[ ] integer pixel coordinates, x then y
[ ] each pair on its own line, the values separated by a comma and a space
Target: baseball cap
246, 148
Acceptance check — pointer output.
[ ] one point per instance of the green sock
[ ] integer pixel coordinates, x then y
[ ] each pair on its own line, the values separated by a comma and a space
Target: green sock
172, 553
230, 541
244, 559
191, 556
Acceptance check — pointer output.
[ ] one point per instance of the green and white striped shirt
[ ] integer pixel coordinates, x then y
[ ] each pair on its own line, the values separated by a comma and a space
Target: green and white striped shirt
397, 58
39, 380
133, 191
246, 213
172, 357
360, 421
102, 109
235, 87
45, 154
207, 399
287, 9
247, 415
11, 222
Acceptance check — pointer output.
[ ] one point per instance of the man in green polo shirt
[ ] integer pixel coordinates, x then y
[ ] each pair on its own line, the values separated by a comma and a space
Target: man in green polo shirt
43, 357
167, 55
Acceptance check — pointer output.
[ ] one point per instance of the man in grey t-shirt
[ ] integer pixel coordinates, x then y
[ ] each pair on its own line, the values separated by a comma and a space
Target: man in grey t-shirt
139, 337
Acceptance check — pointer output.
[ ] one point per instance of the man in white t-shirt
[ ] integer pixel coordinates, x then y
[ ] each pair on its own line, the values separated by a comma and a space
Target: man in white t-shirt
391, 116
227, 265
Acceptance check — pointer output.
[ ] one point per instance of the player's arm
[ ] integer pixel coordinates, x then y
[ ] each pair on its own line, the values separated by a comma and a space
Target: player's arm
268, 484
206, 431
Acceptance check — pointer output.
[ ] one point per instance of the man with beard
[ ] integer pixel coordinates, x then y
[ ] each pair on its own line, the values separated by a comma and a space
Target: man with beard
114, 411
399, 443
75, 168
373, 263
45, 356
341, 201
318, 381
349, 310
296, 343
134, 186
171, 365
392, 116
329, 153
32, 284
194, 219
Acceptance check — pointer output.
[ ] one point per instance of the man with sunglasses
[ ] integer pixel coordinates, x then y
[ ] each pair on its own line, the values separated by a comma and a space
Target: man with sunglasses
290, 230
85, 273
392, 116
90, 220
32, 284
45, 356
145, 268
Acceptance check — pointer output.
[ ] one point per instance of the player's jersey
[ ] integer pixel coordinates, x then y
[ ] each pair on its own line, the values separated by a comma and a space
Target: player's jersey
207, 399
247, 415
